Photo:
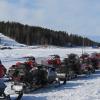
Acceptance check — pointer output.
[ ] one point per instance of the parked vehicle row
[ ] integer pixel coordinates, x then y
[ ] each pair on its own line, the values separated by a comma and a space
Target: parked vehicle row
30, 75
53, 70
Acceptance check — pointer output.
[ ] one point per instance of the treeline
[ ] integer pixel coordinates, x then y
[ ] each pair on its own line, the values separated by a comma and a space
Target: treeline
31, 35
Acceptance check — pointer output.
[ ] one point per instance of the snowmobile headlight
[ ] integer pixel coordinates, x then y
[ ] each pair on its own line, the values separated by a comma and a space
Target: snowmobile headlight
57, 78
17, 88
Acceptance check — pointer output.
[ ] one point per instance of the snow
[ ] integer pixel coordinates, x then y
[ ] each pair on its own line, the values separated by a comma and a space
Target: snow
10, 57
81, 88
6, 41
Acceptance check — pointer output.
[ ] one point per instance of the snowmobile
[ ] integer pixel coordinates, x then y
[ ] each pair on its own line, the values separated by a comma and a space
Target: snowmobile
63, 68
66, 68
16, 72
86, 64
34, 78
95, 59
3, 96
54, 61
72, 66
6, 96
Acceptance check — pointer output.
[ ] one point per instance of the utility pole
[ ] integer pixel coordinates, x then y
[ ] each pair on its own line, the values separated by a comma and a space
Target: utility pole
83, 45
0, 39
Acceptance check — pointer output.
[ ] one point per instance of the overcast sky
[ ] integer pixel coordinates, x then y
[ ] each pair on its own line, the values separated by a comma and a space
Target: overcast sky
73, 16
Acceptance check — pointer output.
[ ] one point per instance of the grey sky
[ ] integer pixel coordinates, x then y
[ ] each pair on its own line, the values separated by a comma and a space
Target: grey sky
73, 16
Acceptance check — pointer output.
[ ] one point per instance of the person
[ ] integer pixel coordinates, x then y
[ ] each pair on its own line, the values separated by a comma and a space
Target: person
4, 95
41, 76
2, 88
2, 70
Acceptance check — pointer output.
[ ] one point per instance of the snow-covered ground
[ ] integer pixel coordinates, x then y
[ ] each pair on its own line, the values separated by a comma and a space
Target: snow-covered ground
6, 41
82, 88
11, 56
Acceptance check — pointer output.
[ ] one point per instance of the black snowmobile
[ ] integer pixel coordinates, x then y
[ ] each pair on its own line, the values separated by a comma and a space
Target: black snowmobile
43, 76
37, 77
72, 66
69, 68
86, 64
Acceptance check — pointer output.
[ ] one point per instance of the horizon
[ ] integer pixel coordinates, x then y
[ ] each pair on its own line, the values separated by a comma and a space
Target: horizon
79, 17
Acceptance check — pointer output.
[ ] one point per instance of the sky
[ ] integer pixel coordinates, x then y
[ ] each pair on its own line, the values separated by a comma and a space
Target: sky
80, 17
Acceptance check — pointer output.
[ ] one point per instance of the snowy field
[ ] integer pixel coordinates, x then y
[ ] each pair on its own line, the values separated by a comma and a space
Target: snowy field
11, 56
82, 88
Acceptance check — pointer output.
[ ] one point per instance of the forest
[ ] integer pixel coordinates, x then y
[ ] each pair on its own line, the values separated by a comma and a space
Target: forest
33, 35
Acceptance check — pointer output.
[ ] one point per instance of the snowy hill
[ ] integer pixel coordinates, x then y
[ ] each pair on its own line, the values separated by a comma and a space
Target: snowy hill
6, 41
11, 43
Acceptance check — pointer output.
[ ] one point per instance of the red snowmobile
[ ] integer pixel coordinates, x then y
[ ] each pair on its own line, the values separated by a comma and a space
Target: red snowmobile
86, 64
33, 78
54, 61
95, 59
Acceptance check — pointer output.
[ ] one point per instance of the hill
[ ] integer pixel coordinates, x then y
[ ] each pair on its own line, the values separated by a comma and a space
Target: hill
6, 41
32, 35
